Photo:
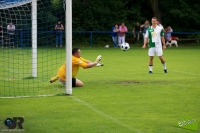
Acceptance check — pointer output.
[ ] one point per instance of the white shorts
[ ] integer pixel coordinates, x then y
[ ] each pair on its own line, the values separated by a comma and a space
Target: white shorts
158, 51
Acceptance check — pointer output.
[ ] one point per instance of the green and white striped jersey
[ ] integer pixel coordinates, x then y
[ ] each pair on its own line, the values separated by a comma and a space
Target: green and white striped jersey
154, 36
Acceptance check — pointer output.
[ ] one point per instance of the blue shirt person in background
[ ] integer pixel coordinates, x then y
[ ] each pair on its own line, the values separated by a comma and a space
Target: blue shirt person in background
168, 32
115, 30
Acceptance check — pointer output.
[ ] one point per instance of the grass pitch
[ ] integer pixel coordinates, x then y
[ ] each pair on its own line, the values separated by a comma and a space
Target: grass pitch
120, 97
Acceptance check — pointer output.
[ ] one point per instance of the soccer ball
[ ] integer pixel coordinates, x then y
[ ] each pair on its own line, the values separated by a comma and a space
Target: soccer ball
125, 46
107, 46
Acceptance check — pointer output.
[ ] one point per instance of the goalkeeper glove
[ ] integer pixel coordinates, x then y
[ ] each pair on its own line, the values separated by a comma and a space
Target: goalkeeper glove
99, 57
99, 64
53, 79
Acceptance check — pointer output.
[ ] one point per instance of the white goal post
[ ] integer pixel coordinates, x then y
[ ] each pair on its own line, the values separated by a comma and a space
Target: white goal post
34, 38
68, 34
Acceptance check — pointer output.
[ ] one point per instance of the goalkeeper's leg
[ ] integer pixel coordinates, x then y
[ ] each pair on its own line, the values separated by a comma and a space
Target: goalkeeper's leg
75, 82
54, 79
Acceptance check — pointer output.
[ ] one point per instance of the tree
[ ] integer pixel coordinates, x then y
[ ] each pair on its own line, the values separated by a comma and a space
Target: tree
155, 7
183, 15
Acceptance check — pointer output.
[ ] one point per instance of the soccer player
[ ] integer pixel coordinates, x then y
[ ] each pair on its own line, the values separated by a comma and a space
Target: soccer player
77, 61
155, 34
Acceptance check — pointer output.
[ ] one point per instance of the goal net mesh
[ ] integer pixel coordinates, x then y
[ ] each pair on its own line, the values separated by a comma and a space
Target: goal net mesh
16, 48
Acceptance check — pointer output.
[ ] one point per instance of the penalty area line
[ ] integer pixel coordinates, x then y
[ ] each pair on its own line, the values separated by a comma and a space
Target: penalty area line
105, 115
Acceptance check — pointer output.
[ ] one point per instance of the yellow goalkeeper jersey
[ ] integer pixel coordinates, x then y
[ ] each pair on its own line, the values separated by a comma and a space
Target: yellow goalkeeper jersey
76, 62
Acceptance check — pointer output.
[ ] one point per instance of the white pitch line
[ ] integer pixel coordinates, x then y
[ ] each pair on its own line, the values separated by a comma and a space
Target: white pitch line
105, 115
186, 73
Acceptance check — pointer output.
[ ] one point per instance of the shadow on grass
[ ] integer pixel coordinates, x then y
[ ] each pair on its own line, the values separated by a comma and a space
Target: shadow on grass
27, 78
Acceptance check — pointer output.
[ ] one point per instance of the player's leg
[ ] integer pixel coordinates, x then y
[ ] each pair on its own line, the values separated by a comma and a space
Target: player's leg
151, 56
151, 64
159, 53
76, 83
164, 63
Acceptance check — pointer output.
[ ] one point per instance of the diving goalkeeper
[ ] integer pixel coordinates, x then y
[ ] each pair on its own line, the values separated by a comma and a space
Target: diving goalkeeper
77, 61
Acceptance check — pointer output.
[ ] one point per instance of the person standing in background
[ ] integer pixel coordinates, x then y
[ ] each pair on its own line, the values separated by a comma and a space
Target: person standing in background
159, 24
144, 27
59, 29
168, 33
137, 31
115, 30
11, 33
121, 34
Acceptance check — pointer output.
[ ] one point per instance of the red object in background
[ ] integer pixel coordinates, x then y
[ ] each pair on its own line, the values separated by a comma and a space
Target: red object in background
174, 38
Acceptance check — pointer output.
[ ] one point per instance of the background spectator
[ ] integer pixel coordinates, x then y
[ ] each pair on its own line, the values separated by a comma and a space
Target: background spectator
168, 32
115, 30
11, 33
144, 27
121, 34
137, 31
59, 28
159, 24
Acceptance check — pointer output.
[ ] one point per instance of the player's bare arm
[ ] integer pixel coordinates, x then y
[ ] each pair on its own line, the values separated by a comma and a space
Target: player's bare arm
163, 41
91, 64
145, 43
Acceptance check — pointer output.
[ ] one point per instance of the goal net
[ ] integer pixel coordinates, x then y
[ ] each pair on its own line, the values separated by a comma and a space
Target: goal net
20, 39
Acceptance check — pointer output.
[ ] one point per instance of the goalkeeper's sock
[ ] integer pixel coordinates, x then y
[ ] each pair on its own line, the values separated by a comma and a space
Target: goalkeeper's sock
54, 79
151, 68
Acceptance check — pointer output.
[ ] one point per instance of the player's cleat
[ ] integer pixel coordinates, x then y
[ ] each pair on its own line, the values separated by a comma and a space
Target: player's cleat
53, 79
165, 71
150, 72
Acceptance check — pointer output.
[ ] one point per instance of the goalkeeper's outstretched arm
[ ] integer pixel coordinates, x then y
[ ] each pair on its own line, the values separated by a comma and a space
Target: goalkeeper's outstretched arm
91, 64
